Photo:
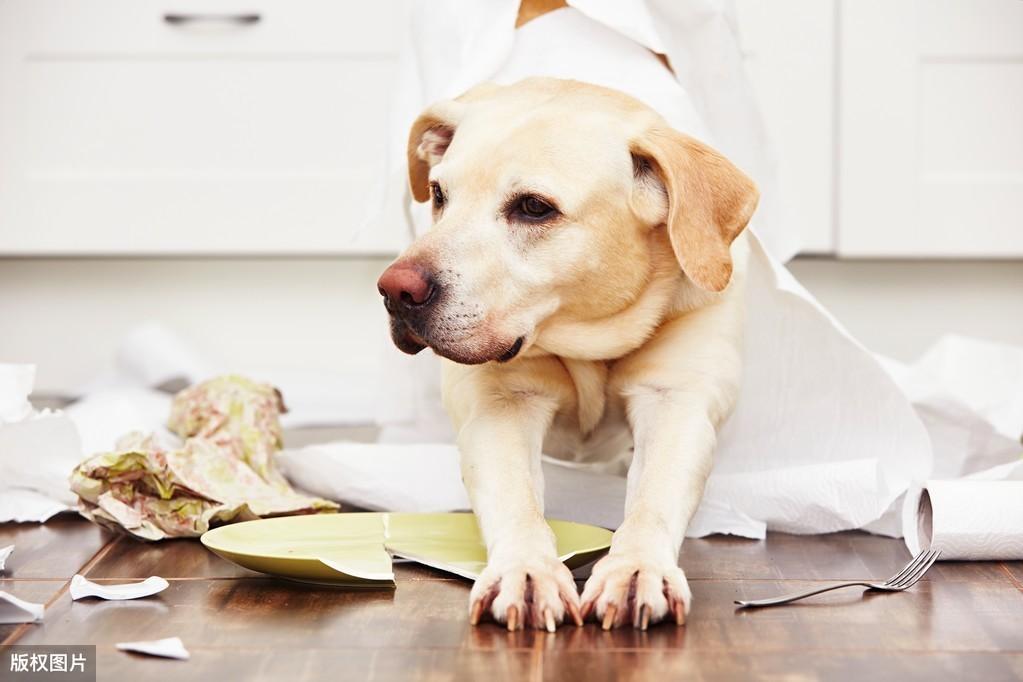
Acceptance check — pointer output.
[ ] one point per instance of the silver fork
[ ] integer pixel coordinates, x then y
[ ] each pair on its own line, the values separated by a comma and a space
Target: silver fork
903, 580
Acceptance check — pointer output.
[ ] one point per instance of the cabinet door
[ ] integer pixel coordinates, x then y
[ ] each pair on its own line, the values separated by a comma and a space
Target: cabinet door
790, 52
931, 128
141, 127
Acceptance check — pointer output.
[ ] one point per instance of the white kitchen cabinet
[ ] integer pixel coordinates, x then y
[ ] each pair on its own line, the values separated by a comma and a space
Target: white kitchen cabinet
931, 128
139, 127
790, 54
260, 128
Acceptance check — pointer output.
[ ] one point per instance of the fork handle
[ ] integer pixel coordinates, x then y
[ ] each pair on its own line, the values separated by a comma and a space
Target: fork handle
775, 601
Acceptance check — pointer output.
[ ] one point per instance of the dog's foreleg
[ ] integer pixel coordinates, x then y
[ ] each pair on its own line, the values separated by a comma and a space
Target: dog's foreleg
678, 390
500, 436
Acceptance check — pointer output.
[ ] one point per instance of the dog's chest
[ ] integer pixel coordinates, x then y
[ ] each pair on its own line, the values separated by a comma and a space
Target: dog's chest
594, 431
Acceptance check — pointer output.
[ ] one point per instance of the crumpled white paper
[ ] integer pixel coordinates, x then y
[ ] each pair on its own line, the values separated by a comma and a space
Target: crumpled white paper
14, 610
5, 554
171, 647
82, 587
37, 452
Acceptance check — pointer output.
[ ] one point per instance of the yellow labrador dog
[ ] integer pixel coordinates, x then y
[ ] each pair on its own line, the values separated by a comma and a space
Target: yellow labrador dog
583, 278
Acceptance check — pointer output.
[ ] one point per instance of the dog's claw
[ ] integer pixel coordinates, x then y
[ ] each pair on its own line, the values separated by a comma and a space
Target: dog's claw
476, 613
609, 616
513, 618
678, 608
548, 619
587, 610
573, 611
643, 618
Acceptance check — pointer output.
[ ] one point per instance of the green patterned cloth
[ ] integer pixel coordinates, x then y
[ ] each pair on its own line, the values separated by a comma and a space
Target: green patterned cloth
223, 472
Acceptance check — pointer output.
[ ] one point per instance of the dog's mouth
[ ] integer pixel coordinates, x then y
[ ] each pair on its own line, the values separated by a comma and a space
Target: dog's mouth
409, 340
513, 351
404, 338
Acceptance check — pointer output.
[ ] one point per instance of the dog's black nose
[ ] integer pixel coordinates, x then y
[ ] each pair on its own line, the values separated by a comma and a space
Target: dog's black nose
403, 285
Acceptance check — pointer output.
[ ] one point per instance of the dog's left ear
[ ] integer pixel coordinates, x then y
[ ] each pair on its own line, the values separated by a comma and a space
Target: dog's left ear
709, 201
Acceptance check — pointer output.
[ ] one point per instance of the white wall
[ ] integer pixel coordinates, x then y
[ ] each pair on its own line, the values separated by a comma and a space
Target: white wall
900, 307
67, 315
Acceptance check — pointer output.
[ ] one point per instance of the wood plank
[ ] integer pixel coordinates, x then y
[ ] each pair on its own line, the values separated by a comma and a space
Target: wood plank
933, 616
850, 555
133, 559
38, 591
54, 550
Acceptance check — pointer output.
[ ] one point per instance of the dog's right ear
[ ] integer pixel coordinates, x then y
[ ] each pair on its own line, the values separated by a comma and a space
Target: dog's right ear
432, 133
429, 138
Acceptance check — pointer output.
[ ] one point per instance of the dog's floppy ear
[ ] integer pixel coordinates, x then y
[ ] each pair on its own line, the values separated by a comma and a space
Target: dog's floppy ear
429, 138
433, 132
709, 201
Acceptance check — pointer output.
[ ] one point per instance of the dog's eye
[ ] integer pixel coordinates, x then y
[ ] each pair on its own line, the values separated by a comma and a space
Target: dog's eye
534, 208
438, 195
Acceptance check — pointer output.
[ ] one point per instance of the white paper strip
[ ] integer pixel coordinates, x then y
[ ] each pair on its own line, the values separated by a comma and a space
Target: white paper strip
971, 520
5, 552
80, 587
14, 610
171, 647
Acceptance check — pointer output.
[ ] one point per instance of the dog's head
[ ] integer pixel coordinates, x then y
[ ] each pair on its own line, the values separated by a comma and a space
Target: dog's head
547, 196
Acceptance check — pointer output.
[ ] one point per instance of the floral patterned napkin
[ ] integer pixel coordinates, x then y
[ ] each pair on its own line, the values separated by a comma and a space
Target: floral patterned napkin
223, 472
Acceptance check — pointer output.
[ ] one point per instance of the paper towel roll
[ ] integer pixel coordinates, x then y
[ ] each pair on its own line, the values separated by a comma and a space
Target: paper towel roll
966, 519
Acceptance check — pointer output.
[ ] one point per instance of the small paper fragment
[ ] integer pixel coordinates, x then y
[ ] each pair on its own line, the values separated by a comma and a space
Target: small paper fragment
80, 588
171, 647
5, 552
14, 610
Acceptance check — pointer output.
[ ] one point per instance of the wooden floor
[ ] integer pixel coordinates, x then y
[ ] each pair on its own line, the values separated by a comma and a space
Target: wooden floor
964, 621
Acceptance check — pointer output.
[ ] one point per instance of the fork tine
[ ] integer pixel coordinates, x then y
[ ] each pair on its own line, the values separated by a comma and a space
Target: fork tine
918, 573
914, 562
911, 577
915, 577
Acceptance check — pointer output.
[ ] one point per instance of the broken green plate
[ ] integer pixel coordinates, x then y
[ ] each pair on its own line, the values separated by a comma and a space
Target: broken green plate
355, 549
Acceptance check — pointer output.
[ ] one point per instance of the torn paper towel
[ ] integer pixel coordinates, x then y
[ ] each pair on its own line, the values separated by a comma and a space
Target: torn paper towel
14, 610
37, 449
171, 647
223, 472
5, 554
81, 588
967, 392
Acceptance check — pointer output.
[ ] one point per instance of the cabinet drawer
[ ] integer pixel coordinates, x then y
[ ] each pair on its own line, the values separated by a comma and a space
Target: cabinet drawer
52, 28
118, 141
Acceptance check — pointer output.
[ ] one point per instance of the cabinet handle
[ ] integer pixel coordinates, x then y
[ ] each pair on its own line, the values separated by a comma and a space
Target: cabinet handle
246, 19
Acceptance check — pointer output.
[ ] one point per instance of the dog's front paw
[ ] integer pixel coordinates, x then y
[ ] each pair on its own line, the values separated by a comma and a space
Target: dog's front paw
633, 589
536, 593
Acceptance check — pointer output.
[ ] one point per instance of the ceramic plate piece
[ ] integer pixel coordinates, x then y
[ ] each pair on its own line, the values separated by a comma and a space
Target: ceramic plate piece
355, 549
